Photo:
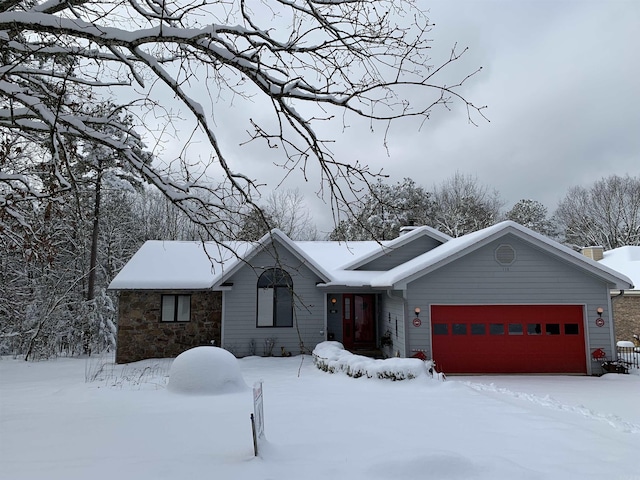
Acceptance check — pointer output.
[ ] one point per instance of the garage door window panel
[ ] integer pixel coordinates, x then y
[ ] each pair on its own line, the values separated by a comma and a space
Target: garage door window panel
515, 329
440, 329
496, 328
459, 329
552, 329
478, 329
571, 329
534, 329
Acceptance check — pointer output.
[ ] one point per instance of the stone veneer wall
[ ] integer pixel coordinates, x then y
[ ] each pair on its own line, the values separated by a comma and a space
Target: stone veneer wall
142, 335
626, 314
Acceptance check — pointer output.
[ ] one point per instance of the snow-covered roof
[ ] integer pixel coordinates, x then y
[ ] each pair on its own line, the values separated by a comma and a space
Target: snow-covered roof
164, 265
269, 238
457, 247
430, 260
625, 260
196, 265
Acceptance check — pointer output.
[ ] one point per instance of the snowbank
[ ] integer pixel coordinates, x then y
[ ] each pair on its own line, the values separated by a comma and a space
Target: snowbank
56, 426
332, 357
206, 370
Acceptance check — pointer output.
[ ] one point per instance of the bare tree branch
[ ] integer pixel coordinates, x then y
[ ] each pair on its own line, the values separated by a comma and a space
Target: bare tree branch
313, 60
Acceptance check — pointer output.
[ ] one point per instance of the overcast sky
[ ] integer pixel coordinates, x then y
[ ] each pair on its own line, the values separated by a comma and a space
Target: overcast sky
562, 83
561, 80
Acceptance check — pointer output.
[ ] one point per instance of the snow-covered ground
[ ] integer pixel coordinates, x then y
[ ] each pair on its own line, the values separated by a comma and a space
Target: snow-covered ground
125, 424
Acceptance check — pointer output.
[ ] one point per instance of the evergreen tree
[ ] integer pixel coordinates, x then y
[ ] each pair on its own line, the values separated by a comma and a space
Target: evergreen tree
531, 214
384, 210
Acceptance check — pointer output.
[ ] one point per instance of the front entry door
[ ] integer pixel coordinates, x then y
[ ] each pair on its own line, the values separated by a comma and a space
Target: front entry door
358, 322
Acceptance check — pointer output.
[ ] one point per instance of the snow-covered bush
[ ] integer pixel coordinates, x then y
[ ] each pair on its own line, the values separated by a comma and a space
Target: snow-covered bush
207, 371
332, 357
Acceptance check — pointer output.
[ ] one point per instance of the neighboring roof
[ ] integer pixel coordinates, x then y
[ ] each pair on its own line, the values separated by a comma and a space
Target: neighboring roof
196, 265
625, 260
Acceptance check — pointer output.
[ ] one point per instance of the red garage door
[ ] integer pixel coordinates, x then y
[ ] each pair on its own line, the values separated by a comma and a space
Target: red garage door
508, 338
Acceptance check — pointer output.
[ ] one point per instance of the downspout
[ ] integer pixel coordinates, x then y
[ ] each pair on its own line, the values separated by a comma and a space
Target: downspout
391, 326
405, 328
405, 341
223, 322
613, 299
325, 323
614, 350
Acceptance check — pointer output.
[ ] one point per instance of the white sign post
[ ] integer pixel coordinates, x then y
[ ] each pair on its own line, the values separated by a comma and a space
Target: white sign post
257, 417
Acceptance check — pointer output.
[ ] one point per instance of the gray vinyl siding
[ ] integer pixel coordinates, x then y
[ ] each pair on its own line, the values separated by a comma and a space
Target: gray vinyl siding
401, 255
392, 318
535, 277
240, 308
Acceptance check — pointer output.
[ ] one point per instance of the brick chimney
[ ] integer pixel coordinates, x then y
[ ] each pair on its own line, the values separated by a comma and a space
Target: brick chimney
594, 253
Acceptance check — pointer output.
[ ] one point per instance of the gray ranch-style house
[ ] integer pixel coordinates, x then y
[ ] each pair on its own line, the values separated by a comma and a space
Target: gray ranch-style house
504, 299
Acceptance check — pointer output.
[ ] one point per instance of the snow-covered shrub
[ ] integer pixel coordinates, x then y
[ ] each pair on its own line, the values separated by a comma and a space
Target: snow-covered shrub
206, 370
332, 357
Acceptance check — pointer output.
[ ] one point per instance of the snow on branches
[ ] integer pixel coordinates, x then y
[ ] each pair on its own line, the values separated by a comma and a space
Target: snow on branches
311, 60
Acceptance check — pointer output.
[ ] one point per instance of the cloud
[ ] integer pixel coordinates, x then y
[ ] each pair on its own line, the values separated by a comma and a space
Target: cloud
560, 80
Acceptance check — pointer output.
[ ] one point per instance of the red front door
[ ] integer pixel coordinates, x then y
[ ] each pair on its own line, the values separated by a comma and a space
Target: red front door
358, 321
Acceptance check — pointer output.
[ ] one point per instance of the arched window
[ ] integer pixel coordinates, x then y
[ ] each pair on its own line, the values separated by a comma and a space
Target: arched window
275, 299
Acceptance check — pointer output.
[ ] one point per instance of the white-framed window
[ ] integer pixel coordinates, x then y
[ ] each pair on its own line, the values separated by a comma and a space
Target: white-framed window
275, 299
176, 308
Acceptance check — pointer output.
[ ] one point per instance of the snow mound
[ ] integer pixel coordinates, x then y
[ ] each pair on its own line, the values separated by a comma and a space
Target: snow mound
206, 371
332, 357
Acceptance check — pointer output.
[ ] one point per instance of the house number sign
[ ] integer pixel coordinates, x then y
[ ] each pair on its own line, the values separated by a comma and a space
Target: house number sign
417, 322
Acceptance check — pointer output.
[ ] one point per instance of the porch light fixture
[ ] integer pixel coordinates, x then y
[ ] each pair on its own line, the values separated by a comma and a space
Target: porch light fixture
599, 311
333, 300
417, 311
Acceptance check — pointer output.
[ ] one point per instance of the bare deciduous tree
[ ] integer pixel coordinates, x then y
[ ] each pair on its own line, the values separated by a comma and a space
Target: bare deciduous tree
311, 60
463, 205
84, 85
283, 209
290, 214
607, 214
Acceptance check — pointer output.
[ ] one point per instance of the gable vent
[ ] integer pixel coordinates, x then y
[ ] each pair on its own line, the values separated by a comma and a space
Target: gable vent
505, 255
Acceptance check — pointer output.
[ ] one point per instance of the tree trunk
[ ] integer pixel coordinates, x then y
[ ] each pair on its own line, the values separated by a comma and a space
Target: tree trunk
94, 238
